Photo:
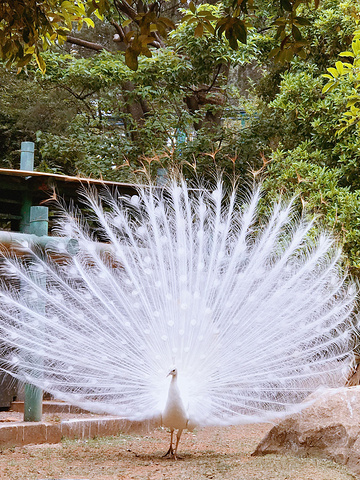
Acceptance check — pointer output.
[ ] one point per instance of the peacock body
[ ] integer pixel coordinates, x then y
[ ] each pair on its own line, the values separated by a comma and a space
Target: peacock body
252, 316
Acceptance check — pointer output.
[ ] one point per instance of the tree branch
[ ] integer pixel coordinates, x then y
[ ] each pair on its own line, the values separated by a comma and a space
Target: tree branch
84, 43
119, 29
124, 7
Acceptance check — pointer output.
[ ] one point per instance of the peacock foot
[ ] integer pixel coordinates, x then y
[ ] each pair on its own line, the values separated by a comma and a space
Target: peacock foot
170, 452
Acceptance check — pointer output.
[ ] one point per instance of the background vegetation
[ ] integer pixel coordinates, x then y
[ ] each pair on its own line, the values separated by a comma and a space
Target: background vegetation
99, 104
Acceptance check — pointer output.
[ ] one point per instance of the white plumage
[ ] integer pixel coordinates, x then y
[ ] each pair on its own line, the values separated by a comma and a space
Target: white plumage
174, 415
254, 315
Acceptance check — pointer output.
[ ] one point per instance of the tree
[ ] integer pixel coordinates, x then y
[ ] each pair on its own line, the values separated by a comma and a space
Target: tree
305, 156
27, 27
183, 107
180, 92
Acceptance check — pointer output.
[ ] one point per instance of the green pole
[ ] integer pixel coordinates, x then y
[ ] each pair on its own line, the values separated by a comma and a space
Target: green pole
27, 156
34, 220
34, 395
39, 221
26, 163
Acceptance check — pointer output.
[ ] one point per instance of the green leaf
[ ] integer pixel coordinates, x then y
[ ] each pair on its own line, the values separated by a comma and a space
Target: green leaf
40, 62
192, 7
286, 5
302, 21
289, 53
25, 34
209, 28
99, 15
327, 87
169, 23
221, 30
233, 40
333, 72
346, 54
205, 13
341, 130
145, 39
301, 53
339, 67
274, 52
280, 21
296, 33
222, 21
89, 22
145, 51
356, 46
192, 20
25, 60
240, 31
279, 31
199, 30
131, 59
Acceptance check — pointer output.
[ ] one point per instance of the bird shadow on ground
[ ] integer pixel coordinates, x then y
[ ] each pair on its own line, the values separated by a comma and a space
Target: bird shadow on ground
187, 457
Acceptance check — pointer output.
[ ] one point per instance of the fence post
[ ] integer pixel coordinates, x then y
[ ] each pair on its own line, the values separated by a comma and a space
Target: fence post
27, 156
26, 163
34, 395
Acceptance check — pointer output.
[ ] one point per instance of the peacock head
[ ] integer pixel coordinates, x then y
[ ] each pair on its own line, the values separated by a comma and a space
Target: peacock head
172, 372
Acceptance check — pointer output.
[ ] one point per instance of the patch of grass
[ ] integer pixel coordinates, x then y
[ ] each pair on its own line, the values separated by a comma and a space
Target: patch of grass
98, 442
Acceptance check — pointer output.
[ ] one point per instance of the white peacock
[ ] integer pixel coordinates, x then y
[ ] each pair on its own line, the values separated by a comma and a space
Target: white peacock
248, 317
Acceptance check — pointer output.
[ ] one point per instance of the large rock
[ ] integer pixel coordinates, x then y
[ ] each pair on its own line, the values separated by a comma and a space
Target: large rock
329, 428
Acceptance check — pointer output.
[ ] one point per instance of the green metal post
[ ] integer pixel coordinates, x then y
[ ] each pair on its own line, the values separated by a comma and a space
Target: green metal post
33, 395
27, 156
26, 163
39, 221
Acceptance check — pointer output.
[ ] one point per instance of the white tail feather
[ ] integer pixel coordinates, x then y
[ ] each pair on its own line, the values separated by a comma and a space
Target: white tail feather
253, 316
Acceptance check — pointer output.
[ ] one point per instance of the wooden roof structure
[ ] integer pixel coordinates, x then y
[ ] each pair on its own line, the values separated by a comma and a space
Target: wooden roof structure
43, 189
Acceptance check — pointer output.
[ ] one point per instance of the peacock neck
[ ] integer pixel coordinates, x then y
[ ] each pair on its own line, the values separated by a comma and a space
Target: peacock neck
174, 392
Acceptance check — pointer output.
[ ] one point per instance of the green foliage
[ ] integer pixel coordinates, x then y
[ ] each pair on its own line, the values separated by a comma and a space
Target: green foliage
140, 36
304, 156
318, 191
183, 106
343, 73
26, 107
312, 162
103, 137
82, 151
28, 27
234, 19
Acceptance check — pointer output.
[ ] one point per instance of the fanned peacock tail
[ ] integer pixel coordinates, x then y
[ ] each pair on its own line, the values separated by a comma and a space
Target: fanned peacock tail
253, 315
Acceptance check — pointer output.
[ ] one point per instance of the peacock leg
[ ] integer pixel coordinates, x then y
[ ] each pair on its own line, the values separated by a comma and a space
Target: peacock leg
171, 450
178, 435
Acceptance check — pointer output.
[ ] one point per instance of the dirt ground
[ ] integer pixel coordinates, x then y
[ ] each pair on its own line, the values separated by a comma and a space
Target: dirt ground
209, 453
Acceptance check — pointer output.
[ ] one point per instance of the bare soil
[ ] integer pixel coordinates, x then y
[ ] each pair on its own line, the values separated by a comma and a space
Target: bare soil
209, 453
